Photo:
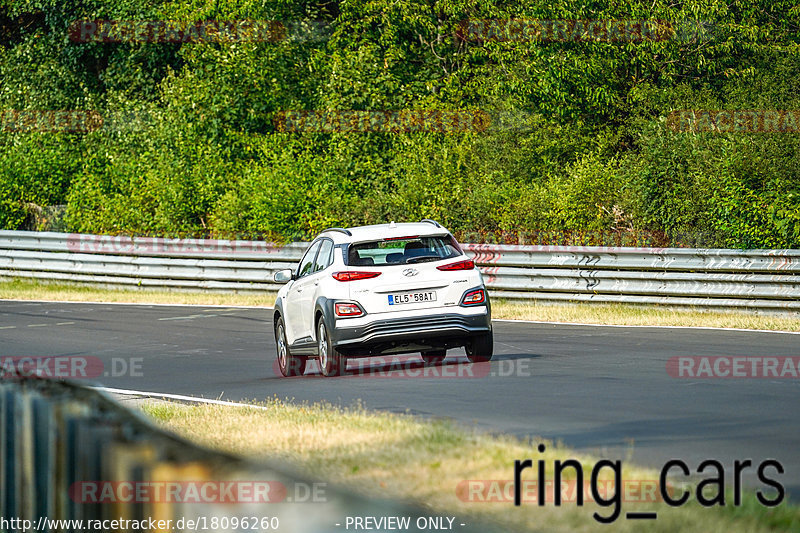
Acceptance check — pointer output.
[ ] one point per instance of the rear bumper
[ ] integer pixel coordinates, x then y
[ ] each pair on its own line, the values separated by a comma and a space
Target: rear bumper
411, 333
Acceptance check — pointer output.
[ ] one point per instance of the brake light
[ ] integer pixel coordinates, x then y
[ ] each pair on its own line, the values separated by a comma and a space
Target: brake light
409, 238
469, 264
355, 275
478, 296
347, 309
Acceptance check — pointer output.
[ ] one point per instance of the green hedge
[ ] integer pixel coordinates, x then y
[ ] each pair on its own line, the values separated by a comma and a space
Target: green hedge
578, 141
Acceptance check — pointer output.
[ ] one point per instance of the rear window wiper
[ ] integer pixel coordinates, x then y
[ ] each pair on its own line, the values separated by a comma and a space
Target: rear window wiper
422, 258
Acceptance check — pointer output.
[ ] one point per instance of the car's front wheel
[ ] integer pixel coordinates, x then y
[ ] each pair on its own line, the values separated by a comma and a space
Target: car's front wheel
331, 362
288, 364
480, 348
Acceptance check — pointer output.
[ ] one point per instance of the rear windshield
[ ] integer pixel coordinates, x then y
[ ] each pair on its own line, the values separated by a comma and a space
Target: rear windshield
402, 251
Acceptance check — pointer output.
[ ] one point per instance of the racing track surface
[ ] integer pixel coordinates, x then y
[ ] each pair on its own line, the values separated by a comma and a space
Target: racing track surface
599, 389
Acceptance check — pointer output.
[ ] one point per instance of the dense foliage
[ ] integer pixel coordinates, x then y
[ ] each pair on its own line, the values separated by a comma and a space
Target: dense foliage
577, 143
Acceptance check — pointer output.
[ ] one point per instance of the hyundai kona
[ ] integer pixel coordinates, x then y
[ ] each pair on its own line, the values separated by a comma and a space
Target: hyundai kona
393, 288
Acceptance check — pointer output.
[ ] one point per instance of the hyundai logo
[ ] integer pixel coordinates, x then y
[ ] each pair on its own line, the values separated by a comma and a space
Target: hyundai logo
409, 272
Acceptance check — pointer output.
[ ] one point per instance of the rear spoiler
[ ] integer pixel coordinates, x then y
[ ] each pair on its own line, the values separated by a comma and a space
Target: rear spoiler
429, 221
340, 230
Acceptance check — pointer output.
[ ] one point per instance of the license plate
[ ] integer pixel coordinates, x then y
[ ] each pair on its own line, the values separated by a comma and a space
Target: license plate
412, 297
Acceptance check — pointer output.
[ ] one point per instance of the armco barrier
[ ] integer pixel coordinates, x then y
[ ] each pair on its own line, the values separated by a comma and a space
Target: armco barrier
68, 452
766, 281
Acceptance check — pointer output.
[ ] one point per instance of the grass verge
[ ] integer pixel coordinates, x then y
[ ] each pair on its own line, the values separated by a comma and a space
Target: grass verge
631, 315
399, 456
576, 313
17, 289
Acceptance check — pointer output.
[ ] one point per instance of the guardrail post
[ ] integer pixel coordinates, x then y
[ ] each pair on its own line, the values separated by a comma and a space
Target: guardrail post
10, 467
44, 446
26, 467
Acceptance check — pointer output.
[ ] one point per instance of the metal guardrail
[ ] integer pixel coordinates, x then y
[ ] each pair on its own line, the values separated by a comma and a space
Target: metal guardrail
751, 280
765, 281
69, 452
146, 262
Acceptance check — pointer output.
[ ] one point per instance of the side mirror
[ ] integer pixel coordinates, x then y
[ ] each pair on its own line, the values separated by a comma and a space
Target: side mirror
282, 276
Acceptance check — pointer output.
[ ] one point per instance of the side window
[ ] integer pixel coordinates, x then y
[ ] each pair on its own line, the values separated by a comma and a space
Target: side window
324, 256
307, 263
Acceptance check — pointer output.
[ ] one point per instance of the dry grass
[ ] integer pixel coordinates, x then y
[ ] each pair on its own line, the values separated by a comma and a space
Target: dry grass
387, 455
570, 313
630, 315
72, 292
501, 309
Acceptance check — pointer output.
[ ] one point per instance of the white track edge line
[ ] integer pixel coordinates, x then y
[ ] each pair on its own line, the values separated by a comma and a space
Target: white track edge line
156, 395
135, 303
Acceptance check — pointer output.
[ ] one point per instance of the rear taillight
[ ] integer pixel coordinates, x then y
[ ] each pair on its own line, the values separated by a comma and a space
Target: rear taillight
476, 297
469, 264
347, 309
355, 275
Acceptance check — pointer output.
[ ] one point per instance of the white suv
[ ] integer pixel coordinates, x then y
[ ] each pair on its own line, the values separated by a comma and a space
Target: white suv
383, 289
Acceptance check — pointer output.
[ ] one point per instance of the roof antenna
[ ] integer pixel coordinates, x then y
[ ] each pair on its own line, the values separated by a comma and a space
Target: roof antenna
392, 224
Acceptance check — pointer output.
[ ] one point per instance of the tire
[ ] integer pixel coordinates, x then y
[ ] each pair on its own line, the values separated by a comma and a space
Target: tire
289, 365
481, 348
434, 357
331, 362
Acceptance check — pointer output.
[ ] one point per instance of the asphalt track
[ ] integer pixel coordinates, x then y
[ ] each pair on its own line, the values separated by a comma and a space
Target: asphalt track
605, 390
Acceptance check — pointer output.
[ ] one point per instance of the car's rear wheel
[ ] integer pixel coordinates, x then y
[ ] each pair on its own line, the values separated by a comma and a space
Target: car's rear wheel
480, 348
288, 364
331, 362
434, 357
